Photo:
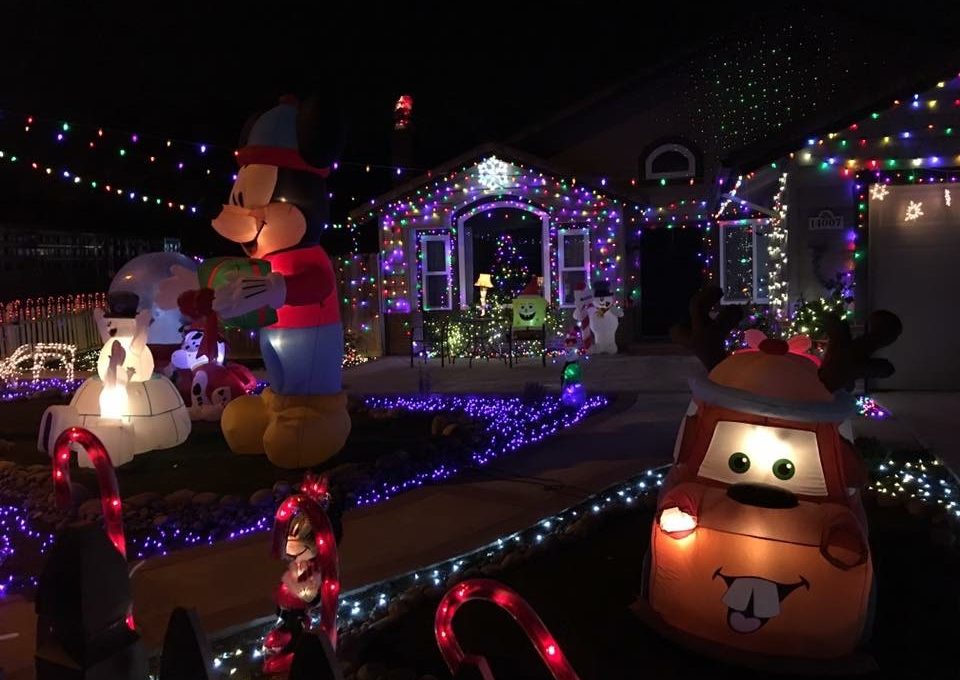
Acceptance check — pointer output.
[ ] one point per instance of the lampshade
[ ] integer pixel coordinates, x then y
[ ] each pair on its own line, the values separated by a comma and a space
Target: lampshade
483, 281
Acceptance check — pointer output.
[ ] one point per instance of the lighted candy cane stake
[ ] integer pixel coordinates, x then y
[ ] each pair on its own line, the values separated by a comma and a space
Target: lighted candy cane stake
106, 480
327, 558
513, 604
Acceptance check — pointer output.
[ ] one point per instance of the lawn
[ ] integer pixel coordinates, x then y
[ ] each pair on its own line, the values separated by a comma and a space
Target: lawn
200, 493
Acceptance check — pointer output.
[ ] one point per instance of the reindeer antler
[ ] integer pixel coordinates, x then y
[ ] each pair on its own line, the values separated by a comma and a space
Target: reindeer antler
706, 336
848, 358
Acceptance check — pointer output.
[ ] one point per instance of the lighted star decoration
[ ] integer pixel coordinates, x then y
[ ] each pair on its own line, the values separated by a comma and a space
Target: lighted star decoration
913, 211
946, 197
494, 173
878, 191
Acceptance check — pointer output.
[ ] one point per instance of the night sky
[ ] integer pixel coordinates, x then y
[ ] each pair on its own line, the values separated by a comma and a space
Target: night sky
478, 72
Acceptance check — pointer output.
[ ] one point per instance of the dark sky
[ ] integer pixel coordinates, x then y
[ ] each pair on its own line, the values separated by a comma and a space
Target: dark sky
478, 71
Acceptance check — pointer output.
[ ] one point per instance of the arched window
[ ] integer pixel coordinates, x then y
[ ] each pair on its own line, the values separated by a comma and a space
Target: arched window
670, 159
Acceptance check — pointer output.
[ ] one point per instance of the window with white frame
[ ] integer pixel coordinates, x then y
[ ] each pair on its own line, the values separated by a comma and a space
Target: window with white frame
435, 271
744, 261
573, 257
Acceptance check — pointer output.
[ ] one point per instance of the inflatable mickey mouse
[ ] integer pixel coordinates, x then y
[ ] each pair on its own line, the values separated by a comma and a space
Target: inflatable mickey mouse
276, 211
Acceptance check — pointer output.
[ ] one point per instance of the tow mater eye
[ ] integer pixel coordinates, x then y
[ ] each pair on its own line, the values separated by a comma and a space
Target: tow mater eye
739, 462
784, 469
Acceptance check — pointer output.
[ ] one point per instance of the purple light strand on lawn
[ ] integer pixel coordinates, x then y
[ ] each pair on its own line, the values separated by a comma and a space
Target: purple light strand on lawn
29, 389
511, 423
14, 525
508, 424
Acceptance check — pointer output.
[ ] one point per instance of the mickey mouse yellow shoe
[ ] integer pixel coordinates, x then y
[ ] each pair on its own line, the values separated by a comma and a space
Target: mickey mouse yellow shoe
306, 430
245, 420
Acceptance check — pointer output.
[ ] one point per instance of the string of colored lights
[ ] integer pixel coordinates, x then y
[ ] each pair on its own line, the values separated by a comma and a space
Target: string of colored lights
915, 103
108, 187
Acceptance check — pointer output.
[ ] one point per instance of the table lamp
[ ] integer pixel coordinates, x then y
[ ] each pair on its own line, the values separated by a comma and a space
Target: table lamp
483, 283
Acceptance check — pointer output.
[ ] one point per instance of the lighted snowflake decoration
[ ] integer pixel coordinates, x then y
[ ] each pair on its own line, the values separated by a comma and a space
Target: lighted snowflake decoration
494, 173
946, 197
878, 191
913, 211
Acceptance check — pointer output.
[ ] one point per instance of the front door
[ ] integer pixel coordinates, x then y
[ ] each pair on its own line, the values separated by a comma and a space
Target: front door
670, 273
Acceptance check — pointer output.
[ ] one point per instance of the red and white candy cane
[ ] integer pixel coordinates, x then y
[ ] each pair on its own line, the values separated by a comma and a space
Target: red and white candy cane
327, 557
106, 480
513, 604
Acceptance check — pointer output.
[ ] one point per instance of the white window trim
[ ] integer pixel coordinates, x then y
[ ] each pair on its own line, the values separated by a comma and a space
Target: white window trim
424, 239
691, 170
561, 238
741, 224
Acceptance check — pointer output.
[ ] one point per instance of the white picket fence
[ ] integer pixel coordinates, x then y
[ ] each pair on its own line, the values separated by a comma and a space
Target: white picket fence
63, 319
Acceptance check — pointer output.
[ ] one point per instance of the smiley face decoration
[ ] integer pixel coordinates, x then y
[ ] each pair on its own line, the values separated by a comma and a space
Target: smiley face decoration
529, 308
759, 545
276, 212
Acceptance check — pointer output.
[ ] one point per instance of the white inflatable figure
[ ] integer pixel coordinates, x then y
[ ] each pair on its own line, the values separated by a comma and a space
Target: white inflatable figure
604, 318
582, 303
186, 358
151, 278
127, 406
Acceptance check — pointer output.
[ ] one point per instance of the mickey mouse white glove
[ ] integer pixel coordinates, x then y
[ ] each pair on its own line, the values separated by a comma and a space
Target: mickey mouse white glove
242, 295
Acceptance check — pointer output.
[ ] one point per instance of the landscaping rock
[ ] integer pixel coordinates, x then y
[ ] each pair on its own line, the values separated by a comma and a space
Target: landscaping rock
943, 536
282, 489
372, 671
402, 674
917, 507
886, 500
6, 466
179, 498
90, 509
205, 498
230, 501
398, 607
261, 497
142, 500
160, 520
78, 493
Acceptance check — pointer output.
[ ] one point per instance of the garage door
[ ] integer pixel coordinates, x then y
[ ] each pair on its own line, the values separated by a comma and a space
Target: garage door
914, 271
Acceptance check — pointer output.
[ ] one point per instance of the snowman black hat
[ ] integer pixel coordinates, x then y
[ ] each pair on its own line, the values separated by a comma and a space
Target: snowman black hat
601, 289
122, 304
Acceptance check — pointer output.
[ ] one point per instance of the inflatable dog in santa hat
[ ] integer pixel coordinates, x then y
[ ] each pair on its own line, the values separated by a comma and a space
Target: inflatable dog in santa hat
207, 383
276, 212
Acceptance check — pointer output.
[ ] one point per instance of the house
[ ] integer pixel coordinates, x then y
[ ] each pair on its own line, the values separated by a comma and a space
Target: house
432, 231
868, 200
728, 168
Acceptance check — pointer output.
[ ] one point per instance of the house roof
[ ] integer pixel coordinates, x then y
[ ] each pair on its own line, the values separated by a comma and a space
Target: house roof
854, 107
361, 213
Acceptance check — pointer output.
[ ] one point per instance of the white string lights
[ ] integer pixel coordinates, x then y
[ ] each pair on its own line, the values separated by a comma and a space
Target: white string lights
39, 354
777, 250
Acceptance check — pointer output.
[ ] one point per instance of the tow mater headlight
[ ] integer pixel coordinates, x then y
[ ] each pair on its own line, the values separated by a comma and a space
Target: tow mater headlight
677, 523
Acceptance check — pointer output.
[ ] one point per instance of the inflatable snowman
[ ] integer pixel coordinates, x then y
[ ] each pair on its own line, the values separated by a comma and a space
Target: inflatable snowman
604, 318
130, 408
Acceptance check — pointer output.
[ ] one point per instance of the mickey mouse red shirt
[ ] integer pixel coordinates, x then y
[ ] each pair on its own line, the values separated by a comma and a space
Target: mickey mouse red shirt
311, 298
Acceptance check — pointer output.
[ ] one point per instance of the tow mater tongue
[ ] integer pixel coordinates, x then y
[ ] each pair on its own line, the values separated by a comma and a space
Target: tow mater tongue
747, 591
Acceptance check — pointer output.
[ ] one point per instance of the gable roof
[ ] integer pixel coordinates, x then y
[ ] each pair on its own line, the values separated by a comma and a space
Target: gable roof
361, 213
